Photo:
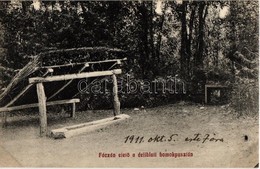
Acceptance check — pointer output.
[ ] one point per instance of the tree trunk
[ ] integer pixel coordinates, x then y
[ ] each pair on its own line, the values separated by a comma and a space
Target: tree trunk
202, 11
183, 59
144, 35
158, 48
189, 40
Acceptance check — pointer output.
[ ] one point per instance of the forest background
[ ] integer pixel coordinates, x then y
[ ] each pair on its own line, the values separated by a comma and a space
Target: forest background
200, 42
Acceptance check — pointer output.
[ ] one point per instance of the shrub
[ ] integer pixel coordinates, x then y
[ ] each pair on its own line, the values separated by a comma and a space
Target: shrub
245, 97
133, 98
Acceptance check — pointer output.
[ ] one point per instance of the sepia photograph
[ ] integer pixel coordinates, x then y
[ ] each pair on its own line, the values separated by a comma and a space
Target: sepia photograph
129, 84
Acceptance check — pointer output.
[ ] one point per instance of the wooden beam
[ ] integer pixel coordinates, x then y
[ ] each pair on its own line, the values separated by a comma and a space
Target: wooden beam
118, 61
42, 109
8, 109
83, 49
74, 76
65, 65
115, 95
111, 60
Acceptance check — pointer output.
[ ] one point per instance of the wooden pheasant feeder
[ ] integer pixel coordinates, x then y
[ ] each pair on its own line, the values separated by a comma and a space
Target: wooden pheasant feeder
49, 87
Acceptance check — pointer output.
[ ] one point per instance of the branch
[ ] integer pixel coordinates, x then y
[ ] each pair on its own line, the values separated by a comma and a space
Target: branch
251, 51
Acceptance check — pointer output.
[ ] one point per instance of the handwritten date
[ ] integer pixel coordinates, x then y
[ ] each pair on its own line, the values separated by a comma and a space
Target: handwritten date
173, 138
156, 139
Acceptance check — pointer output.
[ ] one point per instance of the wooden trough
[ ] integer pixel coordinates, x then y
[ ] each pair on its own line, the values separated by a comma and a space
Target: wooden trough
70, 131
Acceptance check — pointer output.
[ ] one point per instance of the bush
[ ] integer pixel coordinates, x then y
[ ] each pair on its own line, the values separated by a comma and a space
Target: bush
245, 97
130, 98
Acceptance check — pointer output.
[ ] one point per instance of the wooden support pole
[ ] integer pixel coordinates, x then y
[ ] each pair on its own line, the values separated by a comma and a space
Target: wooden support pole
42, 109
73, 113
4, 119
206, 94
115, 96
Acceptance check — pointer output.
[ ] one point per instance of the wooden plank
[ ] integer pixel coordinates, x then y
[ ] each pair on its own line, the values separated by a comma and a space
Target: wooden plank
115, 96
69, 131
74, 76
7, 109
42, 109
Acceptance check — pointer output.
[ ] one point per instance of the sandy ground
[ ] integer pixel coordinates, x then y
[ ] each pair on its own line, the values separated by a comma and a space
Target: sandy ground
22, 146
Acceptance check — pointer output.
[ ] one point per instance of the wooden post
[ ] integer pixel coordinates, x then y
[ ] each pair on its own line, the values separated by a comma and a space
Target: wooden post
115, 96
206, 94
4, 119
73, 113
42, 109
